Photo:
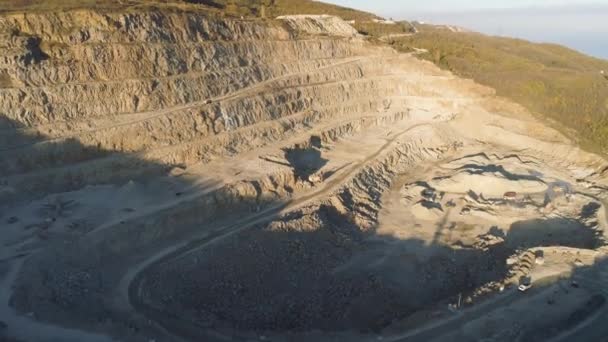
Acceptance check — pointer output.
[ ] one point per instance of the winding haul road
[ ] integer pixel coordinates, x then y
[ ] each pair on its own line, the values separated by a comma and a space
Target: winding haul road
133, 283
130, 288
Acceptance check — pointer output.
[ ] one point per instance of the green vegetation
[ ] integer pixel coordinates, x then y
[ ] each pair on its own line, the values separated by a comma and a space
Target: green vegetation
378, 30
44, 5
286, 7
548, 79
274, 8
248, 8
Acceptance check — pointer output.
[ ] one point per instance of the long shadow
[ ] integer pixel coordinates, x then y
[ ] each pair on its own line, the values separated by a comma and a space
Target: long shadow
73, 286
278, 276
481, 169
584, 321
34, 166
281, 276
210, 3
72, 268
588, 321
537, 233
552, 232
306, 160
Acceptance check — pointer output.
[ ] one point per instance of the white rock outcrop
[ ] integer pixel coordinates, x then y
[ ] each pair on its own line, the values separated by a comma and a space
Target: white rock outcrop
319, 25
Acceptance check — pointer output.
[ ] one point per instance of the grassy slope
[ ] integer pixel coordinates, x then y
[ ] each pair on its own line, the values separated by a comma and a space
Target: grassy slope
548, 79
272, 8
284, 7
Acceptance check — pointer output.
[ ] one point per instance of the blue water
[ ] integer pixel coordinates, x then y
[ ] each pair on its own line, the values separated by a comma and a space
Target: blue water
593, 44
583, 28
590, 43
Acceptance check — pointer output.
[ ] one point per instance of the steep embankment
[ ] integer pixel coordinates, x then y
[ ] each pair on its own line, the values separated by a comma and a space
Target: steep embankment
558, 83
152, 87
167, 172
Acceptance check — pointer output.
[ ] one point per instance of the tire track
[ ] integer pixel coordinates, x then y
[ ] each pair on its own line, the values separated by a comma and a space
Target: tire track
130, 285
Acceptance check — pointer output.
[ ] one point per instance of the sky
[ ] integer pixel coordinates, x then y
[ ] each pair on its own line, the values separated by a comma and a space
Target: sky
581, 25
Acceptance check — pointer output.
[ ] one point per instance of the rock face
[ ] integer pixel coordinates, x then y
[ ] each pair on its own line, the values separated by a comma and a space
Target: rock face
319, 24
81, 87
224, 178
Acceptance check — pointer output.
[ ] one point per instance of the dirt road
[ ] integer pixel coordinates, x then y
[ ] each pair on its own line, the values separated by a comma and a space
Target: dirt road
130, 289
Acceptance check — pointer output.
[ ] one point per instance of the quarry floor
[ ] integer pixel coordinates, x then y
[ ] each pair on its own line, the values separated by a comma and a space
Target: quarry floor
400, 204
440, 231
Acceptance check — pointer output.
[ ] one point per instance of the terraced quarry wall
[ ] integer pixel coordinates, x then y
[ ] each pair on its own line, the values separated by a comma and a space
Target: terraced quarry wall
139, 84
171, 175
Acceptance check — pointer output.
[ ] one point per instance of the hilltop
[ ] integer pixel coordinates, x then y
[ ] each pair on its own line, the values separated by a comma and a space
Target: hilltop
249, 8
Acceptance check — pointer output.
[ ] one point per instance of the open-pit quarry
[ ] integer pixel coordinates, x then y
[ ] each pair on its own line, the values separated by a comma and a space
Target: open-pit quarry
170, 175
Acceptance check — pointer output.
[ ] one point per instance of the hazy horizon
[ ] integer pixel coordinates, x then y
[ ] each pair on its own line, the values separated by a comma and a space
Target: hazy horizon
578, 25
